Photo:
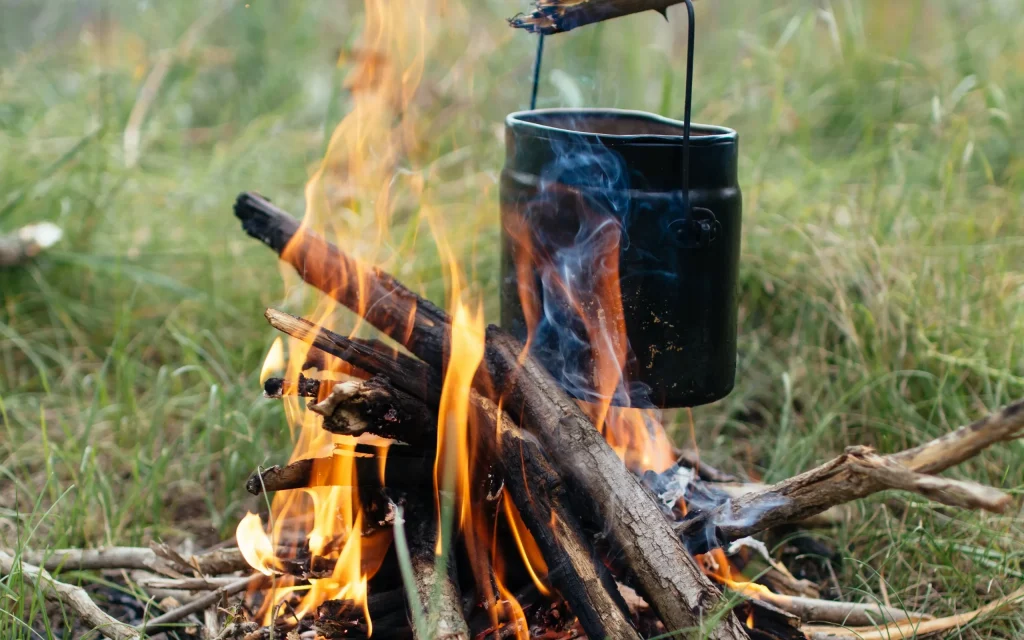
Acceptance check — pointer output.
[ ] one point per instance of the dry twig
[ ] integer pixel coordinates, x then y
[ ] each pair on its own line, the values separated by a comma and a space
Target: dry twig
74, 598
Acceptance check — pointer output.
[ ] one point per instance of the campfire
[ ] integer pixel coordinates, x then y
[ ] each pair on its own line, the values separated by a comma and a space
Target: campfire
453, 479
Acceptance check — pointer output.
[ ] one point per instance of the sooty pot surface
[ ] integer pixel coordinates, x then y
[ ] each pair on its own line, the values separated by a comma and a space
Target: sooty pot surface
624, 281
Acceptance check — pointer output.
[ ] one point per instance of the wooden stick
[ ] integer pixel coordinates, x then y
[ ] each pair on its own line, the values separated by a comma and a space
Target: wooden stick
574, 567
72, 597
210, 583
558, 16
835, 612
858, 473
401, 472
438, 591
599, 485
215, 562
199, 604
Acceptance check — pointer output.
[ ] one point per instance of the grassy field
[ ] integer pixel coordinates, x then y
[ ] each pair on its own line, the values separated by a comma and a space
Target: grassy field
882, 267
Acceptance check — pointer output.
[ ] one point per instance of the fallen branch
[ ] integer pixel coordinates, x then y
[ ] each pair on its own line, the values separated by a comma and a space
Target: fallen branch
211, 583
72, 597
558, 16
159, 558
599, 485
835, 612
859, 473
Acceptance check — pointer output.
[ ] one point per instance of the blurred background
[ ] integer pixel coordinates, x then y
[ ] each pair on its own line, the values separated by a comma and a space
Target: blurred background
882, 283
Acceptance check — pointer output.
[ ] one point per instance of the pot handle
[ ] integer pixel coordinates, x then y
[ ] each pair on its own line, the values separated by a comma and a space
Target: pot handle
687, 107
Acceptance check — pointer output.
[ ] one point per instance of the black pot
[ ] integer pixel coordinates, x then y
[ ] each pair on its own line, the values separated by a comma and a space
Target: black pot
594, 212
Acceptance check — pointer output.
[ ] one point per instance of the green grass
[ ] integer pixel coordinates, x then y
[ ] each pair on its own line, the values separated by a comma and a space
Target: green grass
882, 268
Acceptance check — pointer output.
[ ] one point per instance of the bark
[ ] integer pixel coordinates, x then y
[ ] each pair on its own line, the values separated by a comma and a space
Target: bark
574, 567
438, 591
70, 596
558, 16
599, 485
859, 473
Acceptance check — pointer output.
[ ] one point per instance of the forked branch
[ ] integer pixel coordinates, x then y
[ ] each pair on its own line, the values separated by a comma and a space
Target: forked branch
858, 473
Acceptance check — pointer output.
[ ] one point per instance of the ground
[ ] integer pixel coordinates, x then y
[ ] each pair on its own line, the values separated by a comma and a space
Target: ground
882, 280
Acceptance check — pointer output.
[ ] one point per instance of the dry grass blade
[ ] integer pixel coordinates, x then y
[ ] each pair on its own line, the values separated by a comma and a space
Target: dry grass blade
74, 598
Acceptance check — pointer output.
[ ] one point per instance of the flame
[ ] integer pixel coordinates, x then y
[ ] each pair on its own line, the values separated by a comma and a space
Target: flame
528, 549
255, 545
274, 361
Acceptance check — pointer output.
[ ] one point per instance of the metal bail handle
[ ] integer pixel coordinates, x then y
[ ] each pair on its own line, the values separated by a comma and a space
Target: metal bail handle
708, 237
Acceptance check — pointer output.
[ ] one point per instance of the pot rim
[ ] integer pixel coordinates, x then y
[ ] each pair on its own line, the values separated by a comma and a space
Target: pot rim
700, 134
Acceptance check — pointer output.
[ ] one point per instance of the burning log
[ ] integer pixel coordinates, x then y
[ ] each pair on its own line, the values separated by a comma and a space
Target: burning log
859, 473
535, 488
376, 407
574, 568
598, 484
400, 473
558, 16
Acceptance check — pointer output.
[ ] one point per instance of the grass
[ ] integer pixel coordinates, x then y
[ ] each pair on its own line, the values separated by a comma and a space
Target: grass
882, 271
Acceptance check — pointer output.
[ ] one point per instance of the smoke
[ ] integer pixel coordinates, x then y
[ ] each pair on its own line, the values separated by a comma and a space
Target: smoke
578, 223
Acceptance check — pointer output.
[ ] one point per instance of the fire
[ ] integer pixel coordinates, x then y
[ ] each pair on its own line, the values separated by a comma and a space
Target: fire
274, 361
255, 544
